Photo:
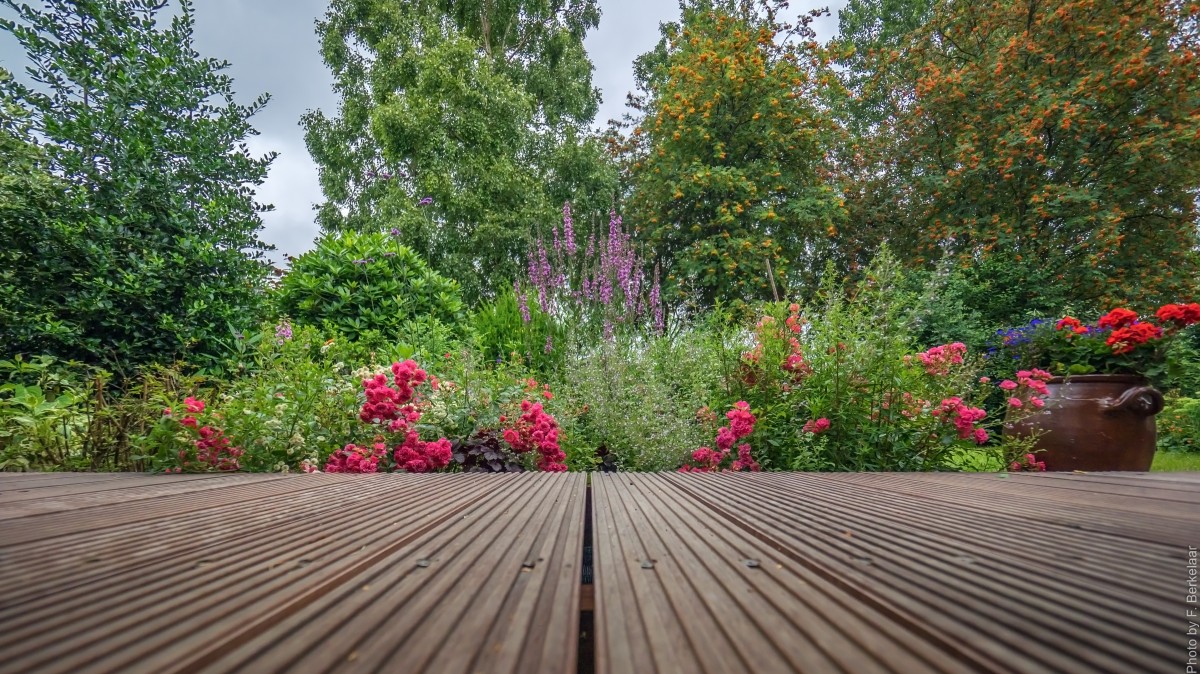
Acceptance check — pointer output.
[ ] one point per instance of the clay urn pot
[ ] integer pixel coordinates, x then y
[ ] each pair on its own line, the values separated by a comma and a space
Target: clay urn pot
1095, 422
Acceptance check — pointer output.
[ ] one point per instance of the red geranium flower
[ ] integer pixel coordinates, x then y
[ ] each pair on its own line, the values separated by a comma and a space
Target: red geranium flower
1126, 339
1117, 319
1180, 314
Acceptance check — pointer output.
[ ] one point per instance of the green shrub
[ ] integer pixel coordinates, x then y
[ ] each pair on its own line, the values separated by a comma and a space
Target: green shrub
637, 399
353, 283
1179, 425
500, 330
299, 402
841, 385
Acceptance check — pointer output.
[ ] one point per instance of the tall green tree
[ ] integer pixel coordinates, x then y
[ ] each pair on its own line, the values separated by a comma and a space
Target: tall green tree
728, 180
149, 249
461, 124
873, 50
1052, 148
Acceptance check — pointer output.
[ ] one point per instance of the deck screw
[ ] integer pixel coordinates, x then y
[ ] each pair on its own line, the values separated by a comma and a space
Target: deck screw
528, 564
647, 564
422, 563
752, 563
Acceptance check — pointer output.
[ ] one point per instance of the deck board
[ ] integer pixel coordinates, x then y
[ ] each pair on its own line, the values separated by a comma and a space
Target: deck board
732, 572
302, 573
894, 573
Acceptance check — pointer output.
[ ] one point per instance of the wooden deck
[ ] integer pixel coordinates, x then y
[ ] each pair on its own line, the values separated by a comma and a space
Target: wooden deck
772, 572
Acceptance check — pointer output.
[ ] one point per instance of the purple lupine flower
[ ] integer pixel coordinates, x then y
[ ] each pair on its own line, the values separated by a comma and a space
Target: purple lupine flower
568, 228
425, 202
522, 304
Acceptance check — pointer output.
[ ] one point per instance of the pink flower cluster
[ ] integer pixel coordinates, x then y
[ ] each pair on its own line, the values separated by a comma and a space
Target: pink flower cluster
537, 430
1030, 463
939, 359
387, 403
964, 418
768, 329
393, 404
417, 456
213, 448
1030, 387
355, 459
741, 424
816, 426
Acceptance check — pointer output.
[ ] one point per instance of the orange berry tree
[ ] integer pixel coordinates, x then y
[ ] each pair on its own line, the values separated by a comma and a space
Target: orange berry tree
1052, 144
725, 160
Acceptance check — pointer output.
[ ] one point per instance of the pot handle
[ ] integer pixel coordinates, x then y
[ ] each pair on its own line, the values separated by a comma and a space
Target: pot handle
1143, 400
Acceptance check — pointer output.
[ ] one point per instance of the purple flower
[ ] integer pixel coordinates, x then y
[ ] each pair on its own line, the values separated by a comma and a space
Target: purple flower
395, 232
425, 202
522, 304
549, 344
568, 228
283, 331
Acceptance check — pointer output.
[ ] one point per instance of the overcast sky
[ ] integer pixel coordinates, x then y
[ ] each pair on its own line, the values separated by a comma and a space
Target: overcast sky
272, 47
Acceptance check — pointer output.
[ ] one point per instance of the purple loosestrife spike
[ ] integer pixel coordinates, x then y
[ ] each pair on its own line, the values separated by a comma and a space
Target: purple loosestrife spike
557, 241
591, 247
568, 228
549, 344
522, 304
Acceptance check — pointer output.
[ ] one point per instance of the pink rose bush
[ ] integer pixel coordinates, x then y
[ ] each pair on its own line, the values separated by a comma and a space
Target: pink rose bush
535, 430
741, 424
840, 393
207, 447
395, 408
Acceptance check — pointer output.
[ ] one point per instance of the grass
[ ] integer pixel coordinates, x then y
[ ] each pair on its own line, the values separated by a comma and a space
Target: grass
1176, 461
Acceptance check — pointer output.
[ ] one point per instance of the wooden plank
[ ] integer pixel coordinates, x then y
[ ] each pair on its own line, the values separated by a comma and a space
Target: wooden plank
228, 586
919, 572
37, 502
18, 494
1150, 521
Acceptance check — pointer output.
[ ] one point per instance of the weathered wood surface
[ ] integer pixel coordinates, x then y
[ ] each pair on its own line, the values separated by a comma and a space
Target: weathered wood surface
781, 572
302, 573
892, 572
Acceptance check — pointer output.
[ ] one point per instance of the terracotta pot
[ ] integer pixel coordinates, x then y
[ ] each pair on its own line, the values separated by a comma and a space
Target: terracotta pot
1096, 422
